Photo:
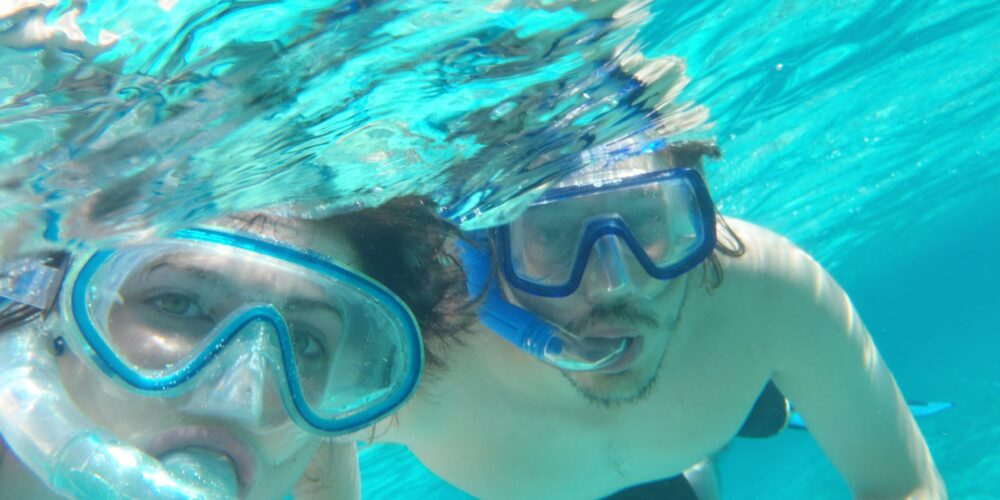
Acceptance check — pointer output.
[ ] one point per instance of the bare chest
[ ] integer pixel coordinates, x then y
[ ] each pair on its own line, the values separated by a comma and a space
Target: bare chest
501, 444
502, 426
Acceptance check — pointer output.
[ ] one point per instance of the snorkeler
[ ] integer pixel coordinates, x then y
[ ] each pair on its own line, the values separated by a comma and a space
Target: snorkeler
655, 339
207, 364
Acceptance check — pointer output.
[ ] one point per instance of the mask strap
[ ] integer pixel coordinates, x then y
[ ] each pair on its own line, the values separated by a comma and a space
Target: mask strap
32, 281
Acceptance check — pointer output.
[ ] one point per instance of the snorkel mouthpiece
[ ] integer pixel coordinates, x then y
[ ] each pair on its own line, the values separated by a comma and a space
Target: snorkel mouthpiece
589, 354
68, 451
214, 470
528, 332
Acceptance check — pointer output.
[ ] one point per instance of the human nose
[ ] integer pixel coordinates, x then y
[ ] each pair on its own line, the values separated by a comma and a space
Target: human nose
236, 391
608, 276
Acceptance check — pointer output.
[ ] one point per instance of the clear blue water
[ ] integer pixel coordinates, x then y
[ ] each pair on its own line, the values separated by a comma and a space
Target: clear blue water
864, 130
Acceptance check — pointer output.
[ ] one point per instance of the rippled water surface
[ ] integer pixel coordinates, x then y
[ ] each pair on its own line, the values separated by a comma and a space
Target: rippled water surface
863, 130
204, 107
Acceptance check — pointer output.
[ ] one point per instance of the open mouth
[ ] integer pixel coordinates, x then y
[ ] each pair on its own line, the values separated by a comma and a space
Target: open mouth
212, 439
627, 358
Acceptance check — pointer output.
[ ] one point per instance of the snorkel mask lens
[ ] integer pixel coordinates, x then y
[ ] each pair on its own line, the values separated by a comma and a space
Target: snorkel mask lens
161, 316
665, 218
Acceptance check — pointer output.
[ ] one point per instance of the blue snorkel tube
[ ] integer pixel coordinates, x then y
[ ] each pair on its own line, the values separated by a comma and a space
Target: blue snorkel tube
525, 330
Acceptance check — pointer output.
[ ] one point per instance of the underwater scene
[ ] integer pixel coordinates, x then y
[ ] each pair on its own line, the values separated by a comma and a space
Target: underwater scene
864, 131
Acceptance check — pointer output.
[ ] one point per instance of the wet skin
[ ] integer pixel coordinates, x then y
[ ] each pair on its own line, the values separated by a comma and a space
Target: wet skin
499, 424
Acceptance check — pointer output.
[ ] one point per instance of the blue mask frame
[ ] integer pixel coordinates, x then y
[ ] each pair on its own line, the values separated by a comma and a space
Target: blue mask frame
267, 314
615, 226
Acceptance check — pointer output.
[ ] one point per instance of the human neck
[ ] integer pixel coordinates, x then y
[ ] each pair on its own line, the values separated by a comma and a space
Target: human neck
518, 373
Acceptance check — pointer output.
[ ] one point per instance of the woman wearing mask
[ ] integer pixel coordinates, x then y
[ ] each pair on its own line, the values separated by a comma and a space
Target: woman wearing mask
210, 363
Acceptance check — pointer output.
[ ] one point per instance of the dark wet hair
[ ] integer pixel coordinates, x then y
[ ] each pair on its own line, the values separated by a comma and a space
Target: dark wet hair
692, 154
405, 245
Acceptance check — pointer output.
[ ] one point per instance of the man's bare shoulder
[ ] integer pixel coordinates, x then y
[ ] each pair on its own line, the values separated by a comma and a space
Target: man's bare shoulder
774, 279
793, 298
771, 265
766, 253
824, 361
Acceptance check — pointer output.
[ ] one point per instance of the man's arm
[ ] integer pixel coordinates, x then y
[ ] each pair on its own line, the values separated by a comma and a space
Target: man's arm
832, 373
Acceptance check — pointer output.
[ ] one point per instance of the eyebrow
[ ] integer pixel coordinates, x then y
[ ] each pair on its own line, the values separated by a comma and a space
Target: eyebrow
198, 272
201, 273
300, 302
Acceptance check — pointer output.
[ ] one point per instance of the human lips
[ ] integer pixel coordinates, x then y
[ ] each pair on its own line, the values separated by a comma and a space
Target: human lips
609, 332
214, 439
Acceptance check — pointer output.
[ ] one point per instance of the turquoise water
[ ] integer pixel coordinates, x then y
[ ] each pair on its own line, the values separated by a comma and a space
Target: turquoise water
207, 107
864, 130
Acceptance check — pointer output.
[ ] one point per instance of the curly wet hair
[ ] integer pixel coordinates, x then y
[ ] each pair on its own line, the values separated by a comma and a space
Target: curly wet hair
409, 248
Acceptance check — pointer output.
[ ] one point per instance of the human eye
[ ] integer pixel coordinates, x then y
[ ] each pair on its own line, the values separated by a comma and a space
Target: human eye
178, 304
308, 342
175, 312
309, 347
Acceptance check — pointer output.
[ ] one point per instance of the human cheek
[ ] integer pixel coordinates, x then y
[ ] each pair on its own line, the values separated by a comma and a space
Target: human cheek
144, 345
128, 415
283, 444
652, 288
283, 458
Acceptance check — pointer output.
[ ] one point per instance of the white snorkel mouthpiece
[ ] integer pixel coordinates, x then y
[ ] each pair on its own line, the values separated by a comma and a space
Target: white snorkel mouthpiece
571, 353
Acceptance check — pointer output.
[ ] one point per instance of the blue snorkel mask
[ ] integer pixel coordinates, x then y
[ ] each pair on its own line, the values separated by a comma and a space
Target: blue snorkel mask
167, 316
593, 219
206, 313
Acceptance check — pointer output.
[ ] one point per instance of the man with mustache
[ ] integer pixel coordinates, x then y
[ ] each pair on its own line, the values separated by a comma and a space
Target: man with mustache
657, 324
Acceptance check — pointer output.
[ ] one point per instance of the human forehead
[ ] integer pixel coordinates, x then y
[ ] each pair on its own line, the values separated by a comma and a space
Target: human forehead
317, 236
597, 171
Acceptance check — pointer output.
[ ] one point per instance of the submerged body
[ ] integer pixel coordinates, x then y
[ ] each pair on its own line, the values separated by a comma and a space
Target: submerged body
499, 424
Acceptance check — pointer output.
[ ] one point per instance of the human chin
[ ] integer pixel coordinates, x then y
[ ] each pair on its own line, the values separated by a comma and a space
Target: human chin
284, 458
627, 381
280, 473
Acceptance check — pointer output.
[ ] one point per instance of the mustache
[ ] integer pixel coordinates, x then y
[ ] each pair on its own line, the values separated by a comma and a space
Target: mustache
621, 312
